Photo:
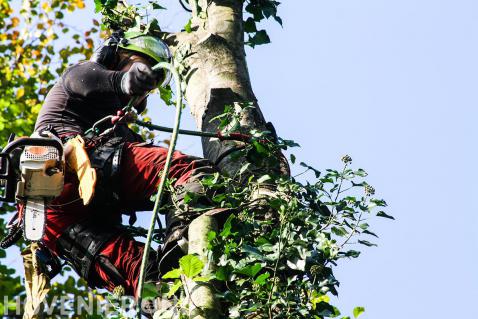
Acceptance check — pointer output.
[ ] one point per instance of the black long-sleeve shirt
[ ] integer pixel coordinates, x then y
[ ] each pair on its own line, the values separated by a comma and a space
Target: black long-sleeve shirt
84, 94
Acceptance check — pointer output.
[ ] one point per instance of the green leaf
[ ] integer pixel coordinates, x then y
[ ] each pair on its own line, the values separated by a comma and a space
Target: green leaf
259, 38
358, 311
250, 25
191, 265
187, 27
252, 251
244, 168
226, 230
262, 279
339, 231
360, 172
166, 95
351, 253
250, 271
157, 6
316, 172
260, 149
325, 309
278, 19
264, 178
370, 233
211, 235
366, 243
382, 214
172, 290
98, 5
173, 274
149, 291
223, 273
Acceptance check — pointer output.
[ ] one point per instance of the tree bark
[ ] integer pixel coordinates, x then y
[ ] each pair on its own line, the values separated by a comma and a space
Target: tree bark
212, 61
200, 297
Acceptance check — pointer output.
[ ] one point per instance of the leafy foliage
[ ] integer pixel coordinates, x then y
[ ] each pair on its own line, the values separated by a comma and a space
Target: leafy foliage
30, 60
259, 10
275, 254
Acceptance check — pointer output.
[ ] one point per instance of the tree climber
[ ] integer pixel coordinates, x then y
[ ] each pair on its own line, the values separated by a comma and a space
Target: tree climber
91, 236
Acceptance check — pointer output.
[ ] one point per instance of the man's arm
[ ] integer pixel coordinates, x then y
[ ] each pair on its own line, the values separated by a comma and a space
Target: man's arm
90, 80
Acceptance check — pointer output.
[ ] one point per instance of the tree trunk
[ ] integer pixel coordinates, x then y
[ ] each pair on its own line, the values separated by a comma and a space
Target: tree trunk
212, 60
200, 297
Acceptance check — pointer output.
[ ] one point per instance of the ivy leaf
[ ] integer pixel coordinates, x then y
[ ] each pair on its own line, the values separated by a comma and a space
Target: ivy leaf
173, 274
358, 311
191, 265
166, 95
250, 271
172, 290
259, 38
366, 243
250, 25
278, 19
244, 168
98, 5
351, 253
316, 172
226, 231
339, 231
297, 264
262, 279
149, 291
370, 233
263, 179
382, 214
157, 6
252, 251
360, 172
187, 27
223, 273
202, 278
325, 309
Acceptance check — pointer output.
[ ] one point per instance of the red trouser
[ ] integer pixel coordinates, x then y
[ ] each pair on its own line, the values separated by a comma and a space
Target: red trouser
141, 168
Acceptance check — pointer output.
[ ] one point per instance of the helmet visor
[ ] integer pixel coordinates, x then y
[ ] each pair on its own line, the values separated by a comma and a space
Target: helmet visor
151, 47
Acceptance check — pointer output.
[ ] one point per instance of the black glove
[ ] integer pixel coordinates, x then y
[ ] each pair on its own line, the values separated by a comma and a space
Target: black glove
139, 79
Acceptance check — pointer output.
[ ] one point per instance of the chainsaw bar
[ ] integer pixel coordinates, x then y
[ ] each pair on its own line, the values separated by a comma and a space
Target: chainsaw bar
34, 219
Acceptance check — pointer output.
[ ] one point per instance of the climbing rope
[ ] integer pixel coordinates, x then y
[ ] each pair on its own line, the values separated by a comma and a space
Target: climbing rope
162, 183
219, 135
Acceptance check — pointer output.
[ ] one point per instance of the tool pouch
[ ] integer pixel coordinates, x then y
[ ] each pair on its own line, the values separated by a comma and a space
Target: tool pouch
78, 160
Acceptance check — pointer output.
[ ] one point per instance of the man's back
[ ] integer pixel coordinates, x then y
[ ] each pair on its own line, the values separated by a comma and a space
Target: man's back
85, 93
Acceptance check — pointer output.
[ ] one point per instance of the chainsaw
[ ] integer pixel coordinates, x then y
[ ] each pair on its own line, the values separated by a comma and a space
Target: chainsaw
32, 173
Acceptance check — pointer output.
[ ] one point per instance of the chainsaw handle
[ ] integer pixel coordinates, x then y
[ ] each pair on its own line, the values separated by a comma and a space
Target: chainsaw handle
34, 141
7, 179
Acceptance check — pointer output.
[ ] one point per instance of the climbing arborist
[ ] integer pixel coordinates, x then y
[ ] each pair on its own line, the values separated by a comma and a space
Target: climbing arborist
83, 224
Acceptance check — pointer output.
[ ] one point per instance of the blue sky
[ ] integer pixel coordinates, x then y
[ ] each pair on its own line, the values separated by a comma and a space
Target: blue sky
393, 84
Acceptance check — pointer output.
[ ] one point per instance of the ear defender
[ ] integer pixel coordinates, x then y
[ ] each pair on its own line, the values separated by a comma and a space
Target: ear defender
106, 53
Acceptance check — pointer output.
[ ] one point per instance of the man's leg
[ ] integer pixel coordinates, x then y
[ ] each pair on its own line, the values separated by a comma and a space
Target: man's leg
141, 170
